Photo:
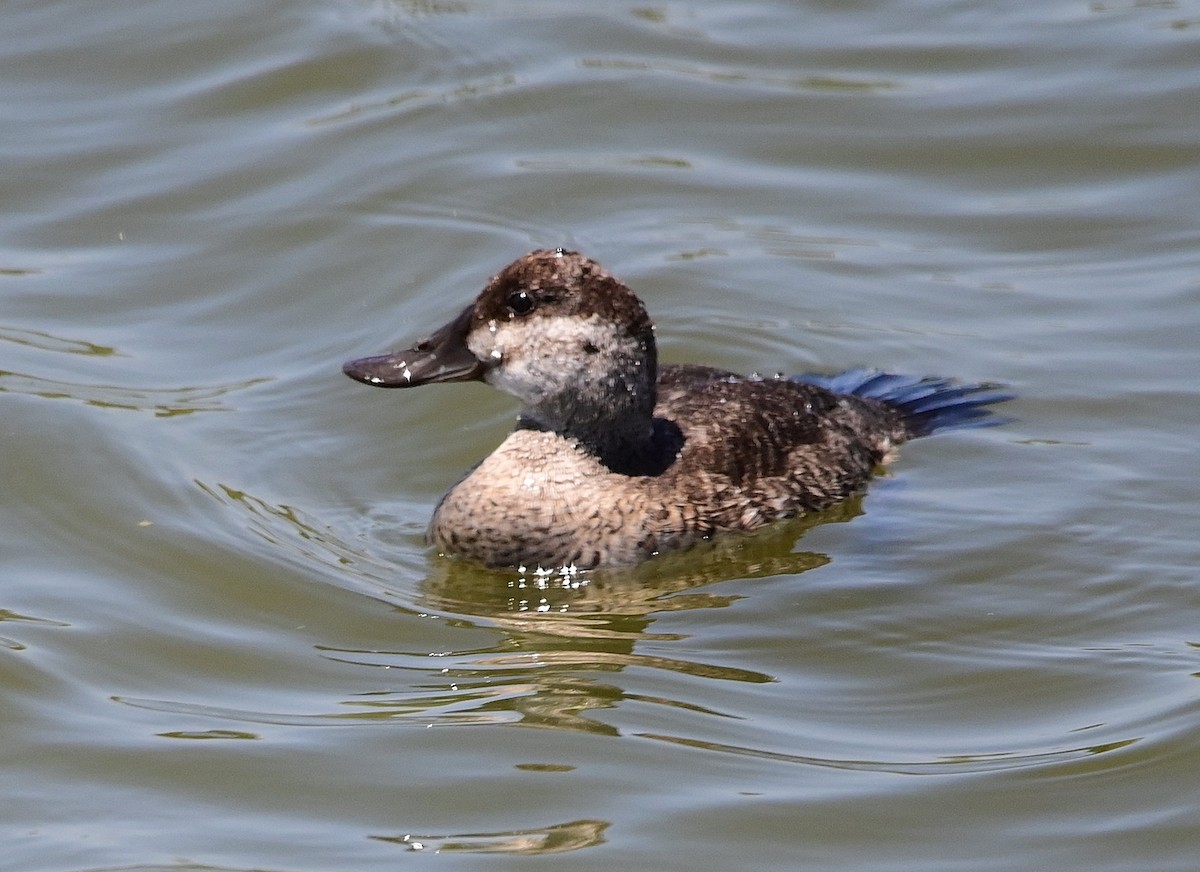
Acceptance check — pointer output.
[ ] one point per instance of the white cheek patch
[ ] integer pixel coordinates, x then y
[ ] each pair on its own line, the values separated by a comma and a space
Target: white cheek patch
535, 357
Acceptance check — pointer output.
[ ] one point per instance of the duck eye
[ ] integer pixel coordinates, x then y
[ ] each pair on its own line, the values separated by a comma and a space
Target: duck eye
520, 303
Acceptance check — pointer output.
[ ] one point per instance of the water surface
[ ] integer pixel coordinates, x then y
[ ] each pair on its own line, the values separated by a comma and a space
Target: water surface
223, 644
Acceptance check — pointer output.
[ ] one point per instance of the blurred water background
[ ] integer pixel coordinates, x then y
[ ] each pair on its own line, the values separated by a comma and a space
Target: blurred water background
223, 644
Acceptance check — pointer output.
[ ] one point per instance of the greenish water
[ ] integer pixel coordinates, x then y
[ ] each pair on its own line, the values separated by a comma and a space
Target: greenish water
223, 644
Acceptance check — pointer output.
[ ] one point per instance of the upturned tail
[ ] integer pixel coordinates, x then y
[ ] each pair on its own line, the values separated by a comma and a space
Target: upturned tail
928, 404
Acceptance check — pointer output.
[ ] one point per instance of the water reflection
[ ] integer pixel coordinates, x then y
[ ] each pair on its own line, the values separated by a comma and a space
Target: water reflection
561, 642
555, 839
563, 632
534, 689
613, 603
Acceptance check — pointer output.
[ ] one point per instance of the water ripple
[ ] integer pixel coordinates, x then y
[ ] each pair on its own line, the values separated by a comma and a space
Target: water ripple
162, 402
741, 77
957, 764
422, 710
43, 341
417, 99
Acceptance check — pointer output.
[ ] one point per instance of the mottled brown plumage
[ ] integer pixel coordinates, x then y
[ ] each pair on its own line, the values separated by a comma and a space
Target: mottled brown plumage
614, 459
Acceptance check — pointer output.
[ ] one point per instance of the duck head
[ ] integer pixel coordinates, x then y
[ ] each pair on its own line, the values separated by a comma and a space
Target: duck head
555, 330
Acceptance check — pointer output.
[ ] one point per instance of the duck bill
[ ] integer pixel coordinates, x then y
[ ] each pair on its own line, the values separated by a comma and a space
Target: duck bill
443, 357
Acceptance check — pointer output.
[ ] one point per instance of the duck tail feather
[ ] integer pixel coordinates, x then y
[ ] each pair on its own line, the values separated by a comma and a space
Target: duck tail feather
928, 403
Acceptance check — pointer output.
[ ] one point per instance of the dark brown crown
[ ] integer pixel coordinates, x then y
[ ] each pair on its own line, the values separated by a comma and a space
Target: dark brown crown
561, 283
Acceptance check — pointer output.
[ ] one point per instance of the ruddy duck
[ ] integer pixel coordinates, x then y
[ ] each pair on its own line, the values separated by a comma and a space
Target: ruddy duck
614, 458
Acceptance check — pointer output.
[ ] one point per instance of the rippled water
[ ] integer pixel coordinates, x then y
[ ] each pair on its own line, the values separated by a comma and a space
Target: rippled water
223, 644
